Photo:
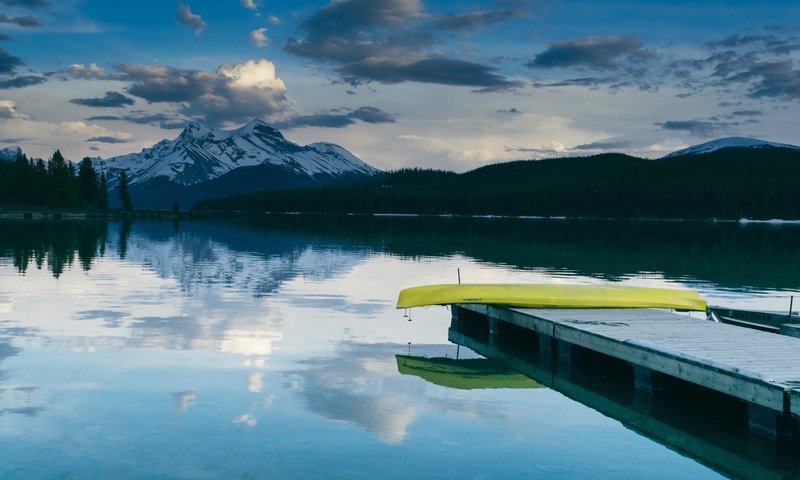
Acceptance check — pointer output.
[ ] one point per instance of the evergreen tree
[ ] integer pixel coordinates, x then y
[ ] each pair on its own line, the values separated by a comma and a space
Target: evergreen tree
88, 188
102, 192
124, 195
176, 207
60, 181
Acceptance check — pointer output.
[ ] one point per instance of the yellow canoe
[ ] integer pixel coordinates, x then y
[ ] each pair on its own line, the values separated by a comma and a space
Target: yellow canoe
551, 296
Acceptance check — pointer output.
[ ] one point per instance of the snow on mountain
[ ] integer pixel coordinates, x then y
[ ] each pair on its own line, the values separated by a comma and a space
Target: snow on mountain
200, 154
729, 142
9, 154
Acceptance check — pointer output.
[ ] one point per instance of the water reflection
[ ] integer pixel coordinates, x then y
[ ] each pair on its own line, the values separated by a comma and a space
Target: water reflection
225, 349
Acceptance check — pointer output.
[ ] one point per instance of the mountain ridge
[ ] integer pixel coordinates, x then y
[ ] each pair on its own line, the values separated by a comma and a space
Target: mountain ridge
728, 142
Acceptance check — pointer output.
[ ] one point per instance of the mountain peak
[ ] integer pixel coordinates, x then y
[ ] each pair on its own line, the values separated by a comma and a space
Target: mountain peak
729, 142
201, 154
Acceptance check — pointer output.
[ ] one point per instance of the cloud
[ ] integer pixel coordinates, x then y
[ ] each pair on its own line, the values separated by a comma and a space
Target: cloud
476, 20
249, 4
21, 81
33, 4
233, 93
259, 38
443, 71
8, 110
607, 145
747, 113
592, 82
191, 20
392, 41
26, 21
700, 128
162, 120
771, 80
107, 139
87, 72
338, 119
510, 111
273, 20
110, 100
600, 53
4, 37
8, 62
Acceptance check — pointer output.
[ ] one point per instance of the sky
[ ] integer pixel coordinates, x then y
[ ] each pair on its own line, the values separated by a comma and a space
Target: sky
401, 83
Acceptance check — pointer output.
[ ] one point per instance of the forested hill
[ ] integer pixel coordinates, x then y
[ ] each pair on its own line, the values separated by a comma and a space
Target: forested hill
730, 183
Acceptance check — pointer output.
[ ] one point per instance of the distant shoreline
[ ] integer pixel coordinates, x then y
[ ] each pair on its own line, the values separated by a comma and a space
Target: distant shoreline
38, 213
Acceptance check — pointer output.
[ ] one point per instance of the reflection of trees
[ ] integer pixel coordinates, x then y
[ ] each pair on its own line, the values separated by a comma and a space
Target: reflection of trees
57, 243
727, 254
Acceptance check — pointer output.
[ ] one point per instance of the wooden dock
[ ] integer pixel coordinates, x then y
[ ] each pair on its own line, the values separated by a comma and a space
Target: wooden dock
759, 368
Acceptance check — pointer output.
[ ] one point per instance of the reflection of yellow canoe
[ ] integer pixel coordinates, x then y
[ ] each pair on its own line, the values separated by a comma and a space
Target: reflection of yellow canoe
464, 374
551, 296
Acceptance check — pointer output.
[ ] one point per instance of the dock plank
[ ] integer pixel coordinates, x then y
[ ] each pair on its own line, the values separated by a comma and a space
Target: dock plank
759, 367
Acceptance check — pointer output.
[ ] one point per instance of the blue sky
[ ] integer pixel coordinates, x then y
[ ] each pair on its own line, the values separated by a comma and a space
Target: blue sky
446, 84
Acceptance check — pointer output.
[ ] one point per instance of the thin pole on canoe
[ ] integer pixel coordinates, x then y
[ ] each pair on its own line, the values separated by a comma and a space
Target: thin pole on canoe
791, 302
459, 276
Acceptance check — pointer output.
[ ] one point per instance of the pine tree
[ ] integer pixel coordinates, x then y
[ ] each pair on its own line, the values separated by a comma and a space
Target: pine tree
124, 194
88, 187
102, 192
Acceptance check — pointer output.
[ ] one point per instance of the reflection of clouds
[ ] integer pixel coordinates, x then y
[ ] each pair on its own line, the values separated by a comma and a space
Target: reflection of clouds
111, 318
361, 385
349, 387
248, 342
246, 419
341, 303
184, 399
17, 401
255, 382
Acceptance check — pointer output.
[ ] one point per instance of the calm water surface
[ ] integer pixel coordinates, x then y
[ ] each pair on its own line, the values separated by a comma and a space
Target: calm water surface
266, 349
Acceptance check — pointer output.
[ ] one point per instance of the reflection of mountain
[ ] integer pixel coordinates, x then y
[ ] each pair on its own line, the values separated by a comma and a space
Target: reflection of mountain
266, 252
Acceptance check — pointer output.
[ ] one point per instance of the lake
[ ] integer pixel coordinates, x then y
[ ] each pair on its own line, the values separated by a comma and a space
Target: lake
266, 348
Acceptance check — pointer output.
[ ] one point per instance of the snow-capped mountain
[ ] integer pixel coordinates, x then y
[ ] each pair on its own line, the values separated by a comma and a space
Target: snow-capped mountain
729, 142
9, 154
200, 154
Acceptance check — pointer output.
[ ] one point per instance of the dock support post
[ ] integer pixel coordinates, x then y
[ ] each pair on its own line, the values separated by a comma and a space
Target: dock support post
768, 423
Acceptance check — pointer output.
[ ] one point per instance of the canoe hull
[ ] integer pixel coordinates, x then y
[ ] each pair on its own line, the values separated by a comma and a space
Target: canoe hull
551, 296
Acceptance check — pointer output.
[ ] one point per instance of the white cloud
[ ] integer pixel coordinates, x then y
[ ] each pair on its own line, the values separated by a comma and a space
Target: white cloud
249, 4
273, 20
259, 37
8, 110
86, 72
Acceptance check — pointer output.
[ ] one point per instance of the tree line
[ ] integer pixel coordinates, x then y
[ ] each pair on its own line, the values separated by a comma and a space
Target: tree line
57, 183
726, 184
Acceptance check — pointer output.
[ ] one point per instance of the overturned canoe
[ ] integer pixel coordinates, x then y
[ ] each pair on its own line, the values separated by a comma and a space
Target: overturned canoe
551, 296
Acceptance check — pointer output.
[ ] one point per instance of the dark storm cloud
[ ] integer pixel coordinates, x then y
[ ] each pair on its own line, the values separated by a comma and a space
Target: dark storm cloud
33, 4
9, 62
102, 118
26, 21
338, 119
106, 139
700, 128
389, 41
21, 81
444, 71
110, 100
601, 53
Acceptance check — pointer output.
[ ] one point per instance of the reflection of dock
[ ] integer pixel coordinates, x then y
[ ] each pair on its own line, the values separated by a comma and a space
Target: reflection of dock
703, 424
464, 374
759, 368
